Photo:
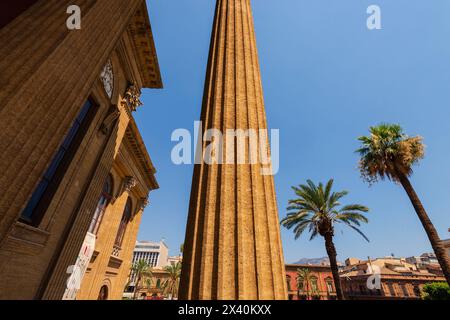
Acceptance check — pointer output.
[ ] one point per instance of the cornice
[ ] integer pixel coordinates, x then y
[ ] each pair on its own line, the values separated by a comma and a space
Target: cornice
140, 32
137, 147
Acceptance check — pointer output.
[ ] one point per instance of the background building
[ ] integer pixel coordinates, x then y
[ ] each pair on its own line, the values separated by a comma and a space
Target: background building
156, 254
447, 244
74, 172
423, 260
320, 286
398, 279
174, 260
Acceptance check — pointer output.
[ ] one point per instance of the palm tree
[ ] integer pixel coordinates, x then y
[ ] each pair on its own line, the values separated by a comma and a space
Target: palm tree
172, 283
318, 209
388, 152
141, 270
303, 281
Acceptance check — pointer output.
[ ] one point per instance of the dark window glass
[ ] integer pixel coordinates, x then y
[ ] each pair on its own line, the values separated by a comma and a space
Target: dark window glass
329, 283
103, 202
9, 10
314, 286
404, 290
391, 289
103, 294
29, 214
124, 222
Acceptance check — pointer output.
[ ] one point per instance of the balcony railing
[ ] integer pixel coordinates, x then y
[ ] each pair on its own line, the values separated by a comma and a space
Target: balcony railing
116, 251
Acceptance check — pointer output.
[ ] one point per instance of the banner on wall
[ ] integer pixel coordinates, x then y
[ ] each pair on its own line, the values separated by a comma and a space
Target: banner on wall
78, 270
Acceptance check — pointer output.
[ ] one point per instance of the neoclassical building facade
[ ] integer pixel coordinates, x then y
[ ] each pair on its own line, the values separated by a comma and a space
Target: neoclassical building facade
75, 174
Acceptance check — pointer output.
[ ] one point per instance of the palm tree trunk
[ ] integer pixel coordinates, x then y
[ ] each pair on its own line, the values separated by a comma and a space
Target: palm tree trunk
307, 289
136, 287
432, 234
331, 251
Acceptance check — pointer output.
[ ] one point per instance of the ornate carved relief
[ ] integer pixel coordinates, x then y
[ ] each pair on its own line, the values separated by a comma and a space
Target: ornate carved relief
132, 97
129, 183
108, 122
107, 77
143, 203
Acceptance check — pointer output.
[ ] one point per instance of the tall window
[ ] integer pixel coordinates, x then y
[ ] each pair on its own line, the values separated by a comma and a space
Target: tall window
329, 283
103, 294
103, 202
124, 222
314, 286
404, 290
43, 193
391, 289
9, 10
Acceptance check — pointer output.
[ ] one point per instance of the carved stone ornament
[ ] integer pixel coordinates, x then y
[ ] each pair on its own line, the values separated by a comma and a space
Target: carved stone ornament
107, 77
110, 119
143, 203
129, 183
132, 97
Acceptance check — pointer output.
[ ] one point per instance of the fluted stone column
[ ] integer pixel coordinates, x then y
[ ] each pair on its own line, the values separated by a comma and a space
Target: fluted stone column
232, 248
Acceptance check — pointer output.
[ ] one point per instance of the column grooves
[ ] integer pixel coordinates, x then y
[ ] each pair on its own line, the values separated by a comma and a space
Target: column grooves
277, 260
239, 229
239, 269
265, 212
200, 178
252, 167
218, 98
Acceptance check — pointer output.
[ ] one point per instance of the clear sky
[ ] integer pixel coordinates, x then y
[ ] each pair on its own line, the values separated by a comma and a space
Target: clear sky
326, 79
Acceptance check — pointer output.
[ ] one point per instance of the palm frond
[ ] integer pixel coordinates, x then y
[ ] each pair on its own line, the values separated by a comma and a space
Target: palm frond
356, 229
316, 208
388, 152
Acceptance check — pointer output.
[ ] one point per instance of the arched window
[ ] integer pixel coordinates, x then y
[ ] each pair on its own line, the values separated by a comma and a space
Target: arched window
105, 198
417, 290
391, 289
103, 294
404, 288
314, 286
329, 283
126, 217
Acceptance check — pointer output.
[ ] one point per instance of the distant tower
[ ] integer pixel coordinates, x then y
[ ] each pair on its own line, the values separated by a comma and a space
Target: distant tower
232, 248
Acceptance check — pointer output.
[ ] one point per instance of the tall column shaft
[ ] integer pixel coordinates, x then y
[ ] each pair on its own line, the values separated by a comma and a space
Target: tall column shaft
232, 248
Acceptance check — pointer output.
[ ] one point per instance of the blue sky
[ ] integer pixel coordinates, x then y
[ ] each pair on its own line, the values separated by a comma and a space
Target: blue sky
326, 79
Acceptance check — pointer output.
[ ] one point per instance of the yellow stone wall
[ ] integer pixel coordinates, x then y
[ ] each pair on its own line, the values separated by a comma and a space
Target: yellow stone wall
46, 74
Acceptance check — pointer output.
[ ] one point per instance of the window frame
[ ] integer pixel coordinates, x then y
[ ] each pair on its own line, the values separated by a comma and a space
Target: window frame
102, 203
125, 220
58, 166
